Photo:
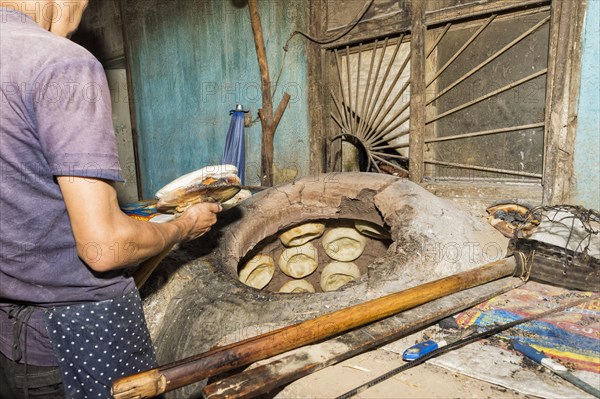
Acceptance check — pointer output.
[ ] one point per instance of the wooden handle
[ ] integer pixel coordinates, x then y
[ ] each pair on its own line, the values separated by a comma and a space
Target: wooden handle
148, 266
196, 368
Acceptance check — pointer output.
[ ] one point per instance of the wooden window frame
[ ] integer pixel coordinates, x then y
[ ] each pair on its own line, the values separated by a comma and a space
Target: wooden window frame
562, 88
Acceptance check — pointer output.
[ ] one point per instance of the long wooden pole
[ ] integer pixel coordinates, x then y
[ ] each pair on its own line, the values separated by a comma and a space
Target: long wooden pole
196, 368
259, 380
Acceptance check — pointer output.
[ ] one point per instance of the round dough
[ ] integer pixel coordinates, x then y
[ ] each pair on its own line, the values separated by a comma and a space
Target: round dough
258, 271
338, 274
371, 230
299, 262
302, 234
344, 244
297, 287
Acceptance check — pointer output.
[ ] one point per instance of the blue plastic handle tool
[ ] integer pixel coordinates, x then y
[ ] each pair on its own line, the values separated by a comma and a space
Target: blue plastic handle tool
423, 348
530, 352
420, 349
556, 367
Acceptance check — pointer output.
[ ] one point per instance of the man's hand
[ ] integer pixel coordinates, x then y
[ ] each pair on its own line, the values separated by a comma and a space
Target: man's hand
198, 219
108, 239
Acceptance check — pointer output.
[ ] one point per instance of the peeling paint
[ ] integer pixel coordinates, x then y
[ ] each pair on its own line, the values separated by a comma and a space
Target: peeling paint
587, 141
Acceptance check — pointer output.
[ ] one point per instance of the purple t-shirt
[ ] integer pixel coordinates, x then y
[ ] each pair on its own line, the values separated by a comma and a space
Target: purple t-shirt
55, 120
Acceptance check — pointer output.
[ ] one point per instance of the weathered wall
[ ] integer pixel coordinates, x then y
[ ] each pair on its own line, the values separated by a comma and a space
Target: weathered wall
101, 31
587, 142
192, 61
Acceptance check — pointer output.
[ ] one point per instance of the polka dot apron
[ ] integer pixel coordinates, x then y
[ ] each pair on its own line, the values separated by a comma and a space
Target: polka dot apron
97, 343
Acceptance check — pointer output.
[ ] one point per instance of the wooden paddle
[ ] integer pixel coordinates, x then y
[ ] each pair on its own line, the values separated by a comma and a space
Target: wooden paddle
147, 267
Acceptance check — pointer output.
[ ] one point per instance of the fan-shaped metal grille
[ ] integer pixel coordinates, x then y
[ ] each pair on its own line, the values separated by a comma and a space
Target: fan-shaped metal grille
372, 103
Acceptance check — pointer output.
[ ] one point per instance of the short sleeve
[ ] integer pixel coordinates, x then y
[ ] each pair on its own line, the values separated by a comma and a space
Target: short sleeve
73, 120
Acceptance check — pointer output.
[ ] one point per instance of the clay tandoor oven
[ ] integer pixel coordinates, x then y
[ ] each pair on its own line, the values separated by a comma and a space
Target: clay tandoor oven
195, 300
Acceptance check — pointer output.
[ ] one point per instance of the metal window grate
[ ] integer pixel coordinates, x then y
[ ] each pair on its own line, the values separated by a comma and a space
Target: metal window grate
485, 93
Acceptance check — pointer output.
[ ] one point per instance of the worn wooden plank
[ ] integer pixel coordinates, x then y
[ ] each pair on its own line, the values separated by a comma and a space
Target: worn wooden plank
564, 67
299, 363
476, 197
389, 25
432, 40
334, 148
437, 13
344, 11
476, 8
417, 92
575, 57
315, 77
131, 93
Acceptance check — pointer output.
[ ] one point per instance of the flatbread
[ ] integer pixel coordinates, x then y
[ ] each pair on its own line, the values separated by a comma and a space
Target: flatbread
297, 287
337, 274
344, 244
299, 262
302, 234
258, 271
371, 230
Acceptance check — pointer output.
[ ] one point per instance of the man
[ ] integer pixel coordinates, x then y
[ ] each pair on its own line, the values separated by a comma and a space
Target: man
70, 320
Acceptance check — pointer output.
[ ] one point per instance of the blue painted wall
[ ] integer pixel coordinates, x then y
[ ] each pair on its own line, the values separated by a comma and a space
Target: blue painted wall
193, 61
587, 140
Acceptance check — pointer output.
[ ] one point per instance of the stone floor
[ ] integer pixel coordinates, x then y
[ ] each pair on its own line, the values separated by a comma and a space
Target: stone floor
423, 381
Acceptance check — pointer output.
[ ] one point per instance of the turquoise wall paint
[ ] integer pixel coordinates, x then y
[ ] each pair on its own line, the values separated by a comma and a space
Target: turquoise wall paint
193, 61
587, 140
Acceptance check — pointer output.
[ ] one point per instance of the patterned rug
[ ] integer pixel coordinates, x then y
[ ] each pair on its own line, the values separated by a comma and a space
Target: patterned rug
571, 337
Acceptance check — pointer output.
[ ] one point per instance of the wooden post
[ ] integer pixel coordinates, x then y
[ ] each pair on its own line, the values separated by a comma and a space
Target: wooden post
417, 91
268, 121
131, 94
316, 92
564, 62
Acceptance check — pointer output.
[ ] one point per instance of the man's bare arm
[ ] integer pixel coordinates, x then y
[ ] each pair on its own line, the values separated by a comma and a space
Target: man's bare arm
108, 239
